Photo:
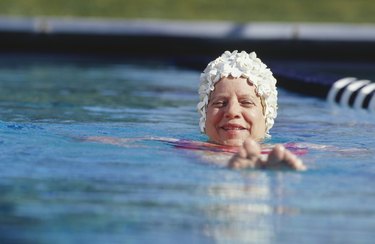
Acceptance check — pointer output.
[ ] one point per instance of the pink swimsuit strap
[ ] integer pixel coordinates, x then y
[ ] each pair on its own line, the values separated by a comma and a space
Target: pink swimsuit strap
291, 146
205, 146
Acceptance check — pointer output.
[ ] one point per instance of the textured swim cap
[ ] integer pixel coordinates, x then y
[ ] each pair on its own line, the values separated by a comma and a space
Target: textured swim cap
235, 64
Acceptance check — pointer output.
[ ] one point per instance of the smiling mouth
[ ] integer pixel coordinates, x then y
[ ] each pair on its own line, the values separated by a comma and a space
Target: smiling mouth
232, 127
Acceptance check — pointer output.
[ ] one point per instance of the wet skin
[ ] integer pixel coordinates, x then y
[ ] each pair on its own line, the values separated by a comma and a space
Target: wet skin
234, 113
235, 118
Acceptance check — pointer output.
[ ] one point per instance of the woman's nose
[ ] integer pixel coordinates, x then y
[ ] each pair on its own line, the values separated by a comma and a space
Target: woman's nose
233, 110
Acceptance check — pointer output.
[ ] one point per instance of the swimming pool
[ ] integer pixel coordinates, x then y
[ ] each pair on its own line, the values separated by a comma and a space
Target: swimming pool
57, 188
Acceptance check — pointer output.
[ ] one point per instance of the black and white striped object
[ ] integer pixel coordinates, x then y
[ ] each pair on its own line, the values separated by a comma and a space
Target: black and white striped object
354, 93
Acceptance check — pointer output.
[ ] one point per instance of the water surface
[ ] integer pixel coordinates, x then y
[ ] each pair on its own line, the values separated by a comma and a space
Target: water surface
56, 188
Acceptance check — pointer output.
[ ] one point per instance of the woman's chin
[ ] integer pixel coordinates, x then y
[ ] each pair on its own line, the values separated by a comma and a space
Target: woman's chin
236, 142
233, 142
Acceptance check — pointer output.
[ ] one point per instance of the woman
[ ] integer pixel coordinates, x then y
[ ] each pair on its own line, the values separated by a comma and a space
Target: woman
238, 105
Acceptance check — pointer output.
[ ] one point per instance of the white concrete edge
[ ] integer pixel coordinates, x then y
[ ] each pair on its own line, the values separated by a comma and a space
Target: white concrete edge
194, 29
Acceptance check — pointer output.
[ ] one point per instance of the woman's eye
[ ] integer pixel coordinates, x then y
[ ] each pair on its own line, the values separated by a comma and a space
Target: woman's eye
247, 103
219, 104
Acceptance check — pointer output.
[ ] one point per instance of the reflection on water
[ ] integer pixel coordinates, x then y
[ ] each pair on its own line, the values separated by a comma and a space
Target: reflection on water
247, 211
244, 214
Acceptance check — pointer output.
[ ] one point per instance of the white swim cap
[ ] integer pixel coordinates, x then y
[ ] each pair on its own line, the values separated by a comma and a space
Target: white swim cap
237, 65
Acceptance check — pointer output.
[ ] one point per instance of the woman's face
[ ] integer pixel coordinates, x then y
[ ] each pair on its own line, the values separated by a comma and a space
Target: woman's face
234, 113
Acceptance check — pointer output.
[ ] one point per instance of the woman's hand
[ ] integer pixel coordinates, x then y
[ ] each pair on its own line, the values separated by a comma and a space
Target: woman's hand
249, 156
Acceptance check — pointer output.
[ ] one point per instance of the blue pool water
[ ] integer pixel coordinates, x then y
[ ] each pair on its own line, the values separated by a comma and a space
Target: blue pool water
57, 188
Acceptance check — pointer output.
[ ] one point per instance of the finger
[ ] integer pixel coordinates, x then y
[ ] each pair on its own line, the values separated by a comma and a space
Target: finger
276, 155
293, 161
242, 152
240, 163
252, 148
234, 163
242, 160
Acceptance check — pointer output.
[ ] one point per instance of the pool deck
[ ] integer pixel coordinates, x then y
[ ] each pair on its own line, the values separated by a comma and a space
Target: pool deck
186, 41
